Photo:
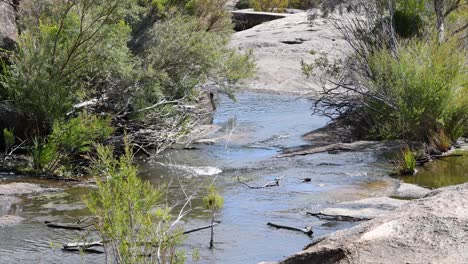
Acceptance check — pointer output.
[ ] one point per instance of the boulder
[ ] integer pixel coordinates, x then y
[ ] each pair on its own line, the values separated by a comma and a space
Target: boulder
8, 30
433, 229
280, 45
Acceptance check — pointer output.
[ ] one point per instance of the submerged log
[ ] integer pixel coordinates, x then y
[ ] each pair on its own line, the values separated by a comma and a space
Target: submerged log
308, 230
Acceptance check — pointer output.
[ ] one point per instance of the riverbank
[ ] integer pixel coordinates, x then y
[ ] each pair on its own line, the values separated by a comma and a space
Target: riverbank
427, 230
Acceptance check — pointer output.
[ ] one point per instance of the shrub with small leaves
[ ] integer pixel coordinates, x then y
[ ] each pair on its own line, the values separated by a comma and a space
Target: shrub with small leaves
213, 202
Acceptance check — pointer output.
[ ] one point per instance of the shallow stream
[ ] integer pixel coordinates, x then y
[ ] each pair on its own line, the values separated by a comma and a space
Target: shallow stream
254, 128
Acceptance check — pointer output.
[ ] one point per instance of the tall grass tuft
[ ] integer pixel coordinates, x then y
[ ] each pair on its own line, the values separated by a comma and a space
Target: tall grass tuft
406, 163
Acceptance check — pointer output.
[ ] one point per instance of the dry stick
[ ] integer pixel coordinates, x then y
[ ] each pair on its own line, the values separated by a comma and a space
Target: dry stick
345, 218
274, 183
308, 230
446, 156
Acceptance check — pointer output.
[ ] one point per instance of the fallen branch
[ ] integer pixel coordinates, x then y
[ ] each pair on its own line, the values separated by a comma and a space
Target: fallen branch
345, 218
274, 183
69, 226
446, 156
308, 230
201, 228
84, 247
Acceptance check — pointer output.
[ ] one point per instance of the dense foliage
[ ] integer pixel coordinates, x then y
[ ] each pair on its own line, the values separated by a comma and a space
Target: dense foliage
408, 76
73, 51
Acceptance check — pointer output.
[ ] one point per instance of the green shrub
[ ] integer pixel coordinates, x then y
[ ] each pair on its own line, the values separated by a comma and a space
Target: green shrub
421, 92
213, 202
181, 54
243, 4
8, 138
65, 54
269, 5
132, 218
68, 140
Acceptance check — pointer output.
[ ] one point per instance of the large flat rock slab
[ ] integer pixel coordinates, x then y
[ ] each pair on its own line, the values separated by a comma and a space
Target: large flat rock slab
433, 229
280, 45
366, 208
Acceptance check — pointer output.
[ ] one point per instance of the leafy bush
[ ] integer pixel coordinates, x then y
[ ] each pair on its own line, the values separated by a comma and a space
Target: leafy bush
213, 202
243, 4
68, 140
64, 54
269, 5
131, 216
420, 93
182, 53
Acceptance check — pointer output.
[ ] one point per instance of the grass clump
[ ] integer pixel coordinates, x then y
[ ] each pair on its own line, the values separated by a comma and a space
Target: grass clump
406, 163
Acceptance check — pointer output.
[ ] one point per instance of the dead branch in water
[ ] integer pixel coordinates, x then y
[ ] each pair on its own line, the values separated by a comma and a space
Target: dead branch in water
69, 226
308, 230
345, 218
274, 183
86, 246
201, 228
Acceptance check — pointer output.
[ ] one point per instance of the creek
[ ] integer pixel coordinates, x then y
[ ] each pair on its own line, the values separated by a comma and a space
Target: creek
254, 128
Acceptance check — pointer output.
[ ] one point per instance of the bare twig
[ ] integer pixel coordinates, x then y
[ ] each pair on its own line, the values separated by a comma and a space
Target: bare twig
274, 183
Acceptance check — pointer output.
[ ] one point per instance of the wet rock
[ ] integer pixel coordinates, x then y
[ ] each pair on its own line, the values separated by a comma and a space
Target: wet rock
433, 229
335, 148
20, 188
9, 220
6, 203
13, 119
411, 191
366, 208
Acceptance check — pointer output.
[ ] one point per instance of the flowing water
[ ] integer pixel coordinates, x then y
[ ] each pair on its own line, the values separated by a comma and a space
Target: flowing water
253, 130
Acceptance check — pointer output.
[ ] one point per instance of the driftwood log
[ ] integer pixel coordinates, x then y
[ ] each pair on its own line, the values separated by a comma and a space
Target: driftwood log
308, 230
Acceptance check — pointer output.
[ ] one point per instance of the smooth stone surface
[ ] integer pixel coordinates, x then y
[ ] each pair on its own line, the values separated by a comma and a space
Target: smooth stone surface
433, 229
365, 208
280, 45
9, 220
412, 191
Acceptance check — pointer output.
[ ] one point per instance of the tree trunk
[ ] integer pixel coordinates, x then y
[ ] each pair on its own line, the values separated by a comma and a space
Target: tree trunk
439, 10
393, 39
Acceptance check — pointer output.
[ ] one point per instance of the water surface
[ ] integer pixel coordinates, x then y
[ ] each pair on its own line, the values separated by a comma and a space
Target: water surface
255, 128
